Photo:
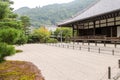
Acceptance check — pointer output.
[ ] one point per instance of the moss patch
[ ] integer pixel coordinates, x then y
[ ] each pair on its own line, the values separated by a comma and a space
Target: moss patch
19, 70
19, 51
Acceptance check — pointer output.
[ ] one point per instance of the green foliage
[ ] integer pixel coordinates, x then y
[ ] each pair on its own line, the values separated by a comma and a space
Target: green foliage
13, 16
22, 39
12, 24
6, 50
33, 38
42, 33
12, 36
66, 33
25, 20
4, 10
9, 35
11, 30
50, 14
26, 23
52, 40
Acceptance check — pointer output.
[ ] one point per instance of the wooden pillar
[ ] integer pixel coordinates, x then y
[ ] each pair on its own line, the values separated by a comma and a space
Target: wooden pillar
115, 24
77, 30
61, 39
73, 30
89, 33
83, 33
94, 28
73, 33
114, 19
111, 31
84, 29
99, 23
106, 26
107, 22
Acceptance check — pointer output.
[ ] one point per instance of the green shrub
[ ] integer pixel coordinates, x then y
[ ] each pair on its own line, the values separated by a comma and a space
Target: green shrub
52, 40
6, 50
22, 39
12, 36
9, 35
33, 39
42, 34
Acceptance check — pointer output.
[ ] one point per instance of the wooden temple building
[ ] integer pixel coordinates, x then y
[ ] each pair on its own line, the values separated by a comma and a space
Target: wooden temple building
99, 22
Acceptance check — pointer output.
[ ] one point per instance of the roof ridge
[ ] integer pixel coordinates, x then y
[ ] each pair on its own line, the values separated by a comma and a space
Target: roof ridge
85, 9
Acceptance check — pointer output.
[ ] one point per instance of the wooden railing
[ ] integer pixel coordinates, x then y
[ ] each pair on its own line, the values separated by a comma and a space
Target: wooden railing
101, 38
113, 38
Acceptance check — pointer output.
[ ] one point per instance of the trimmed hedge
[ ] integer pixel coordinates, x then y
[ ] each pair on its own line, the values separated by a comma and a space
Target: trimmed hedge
6, 50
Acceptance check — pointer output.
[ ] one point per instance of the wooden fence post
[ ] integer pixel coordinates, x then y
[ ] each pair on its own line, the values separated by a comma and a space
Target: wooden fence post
55, 45
82, 42
63, 46
88, 43
109, 72
104, 44
59, 45
88, 49
68, 46
99, 50
73, 47
115, 44
113, 52
80, 47
118, 63
95, 43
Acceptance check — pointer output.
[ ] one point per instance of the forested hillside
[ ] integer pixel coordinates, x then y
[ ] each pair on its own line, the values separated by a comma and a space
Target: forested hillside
50, 14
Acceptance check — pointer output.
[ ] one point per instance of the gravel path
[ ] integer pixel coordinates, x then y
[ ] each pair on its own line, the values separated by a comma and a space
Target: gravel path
66, 64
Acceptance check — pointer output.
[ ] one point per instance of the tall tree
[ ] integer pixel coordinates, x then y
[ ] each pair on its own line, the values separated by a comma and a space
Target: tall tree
64, 33
42, 33
10, 30
26, 23
4, 10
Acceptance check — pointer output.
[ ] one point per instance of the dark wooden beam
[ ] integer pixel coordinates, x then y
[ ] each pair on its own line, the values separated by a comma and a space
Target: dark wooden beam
111, 31
94, 28
99, 23
73, 30
106, 21
77, 30
114, 20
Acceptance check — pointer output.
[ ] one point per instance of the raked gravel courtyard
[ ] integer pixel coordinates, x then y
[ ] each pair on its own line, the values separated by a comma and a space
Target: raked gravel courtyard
66, 64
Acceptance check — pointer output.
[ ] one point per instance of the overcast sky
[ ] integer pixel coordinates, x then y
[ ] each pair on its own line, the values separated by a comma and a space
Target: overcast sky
34, 3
